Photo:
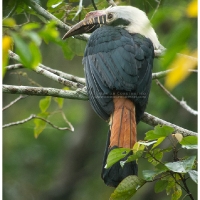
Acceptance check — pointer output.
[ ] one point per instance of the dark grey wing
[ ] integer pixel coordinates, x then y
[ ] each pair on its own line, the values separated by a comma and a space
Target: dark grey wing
119, 64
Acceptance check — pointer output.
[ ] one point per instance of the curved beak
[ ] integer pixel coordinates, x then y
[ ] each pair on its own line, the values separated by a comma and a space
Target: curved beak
90, 23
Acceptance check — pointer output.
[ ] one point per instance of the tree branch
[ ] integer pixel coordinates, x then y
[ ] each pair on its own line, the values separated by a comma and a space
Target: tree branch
79, 94
154, 121
14, 66
48, 74
69, 77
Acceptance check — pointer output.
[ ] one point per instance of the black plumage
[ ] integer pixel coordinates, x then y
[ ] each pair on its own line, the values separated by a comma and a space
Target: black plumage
118, 63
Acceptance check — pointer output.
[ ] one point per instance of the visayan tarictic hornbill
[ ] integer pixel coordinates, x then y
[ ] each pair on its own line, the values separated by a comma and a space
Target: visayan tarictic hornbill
118, 64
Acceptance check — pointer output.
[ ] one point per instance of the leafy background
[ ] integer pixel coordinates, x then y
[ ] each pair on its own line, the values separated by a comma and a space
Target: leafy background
63, 164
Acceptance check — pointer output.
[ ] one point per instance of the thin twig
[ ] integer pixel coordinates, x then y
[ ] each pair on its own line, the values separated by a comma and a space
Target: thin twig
32, 116
65, 119
161, 74
185, 196
12, 10
54, 126
94, 5
186, 187
111, 3
14, 101
18, 122
172, 174
182, 102
158, 5
79, 9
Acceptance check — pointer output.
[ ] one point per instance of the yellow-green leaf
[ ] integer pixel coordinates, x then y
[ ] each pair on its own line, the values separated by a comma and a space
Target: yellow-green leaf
181, 66
59, 101
36, 55
192, 9
177, 192
10, 22
115, 155
127, 188
40, 124
159, 141
6, 45
160, 186
44, 103
30, 26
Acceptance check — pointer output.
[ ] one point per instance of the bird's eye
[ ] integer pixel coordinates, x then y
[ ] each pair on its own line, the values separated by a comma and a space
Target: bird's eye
110, 16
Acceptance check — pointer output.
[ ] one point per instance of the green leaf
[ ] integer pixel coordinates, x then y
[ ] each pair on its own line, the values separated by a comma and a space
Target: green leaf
33, 37
77, 46
159, 141
154, 156
158, 132
177, 192
49, 32
36, 55
133, 157
149, 174
115, 155
28, 52
68, 53
193, 175
127, 188
30, 26
50, 3
170, 186
44, 103
160, 186
176, 43
181, 166
189, 140
59, 101
10, 22
40, 124
22, 50
138, 147
160, 168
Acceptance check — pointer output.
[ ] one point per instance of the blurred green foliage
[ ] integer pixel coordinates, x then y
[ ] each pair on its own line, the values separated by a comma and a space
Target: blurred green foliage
64, 165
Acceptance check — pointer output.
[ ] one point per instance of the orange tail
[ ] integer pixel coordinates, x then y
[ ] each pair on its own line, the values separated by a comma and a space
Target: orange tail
123, 124
122, 133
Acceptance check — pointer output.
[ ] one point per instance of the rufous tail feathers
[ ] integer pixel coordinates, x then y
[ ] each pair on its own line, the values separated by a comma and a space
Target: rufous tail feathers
123, 123
123, 134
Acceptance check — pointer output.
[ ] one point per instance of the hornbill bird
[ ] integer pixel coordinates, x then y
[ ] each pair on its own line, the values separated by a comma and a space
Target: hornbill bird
118, 62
